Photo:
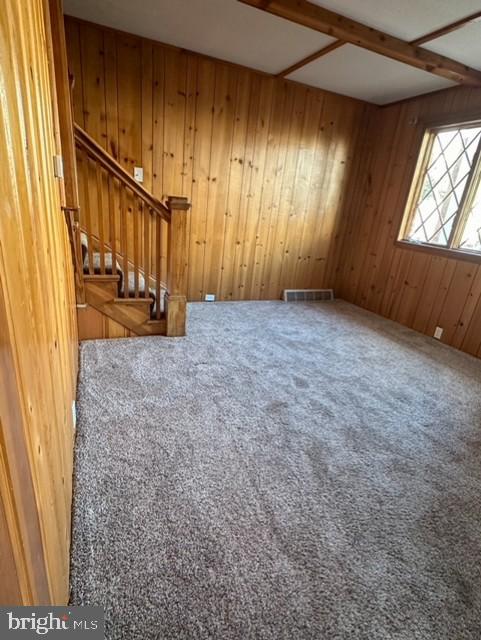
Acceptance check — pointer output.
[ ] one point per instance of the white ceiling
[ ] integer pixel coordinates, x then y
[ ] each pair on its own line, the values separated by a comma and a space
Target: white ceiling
463, 45
223, 29
232, 31
406, 19
344, 71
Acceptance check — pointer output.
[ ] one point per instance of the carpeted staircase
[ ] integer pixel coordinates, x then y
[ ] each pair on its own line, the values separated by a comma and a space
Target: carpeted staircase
131, 293
135, 308
127, 245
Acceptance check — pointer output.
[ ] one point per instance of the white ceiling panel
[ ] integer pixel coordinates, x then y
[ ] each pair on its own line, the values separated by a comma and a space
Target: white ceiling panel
463, 45
359, 73
223, 29
407, 19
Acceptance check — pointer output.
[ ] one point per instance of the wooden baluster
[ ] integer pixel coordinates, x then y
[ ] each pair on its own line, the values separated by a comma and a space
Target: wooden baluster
100, 207
136, 221
87, 217
158, 222
177, 261
147, 216
112, 230
124, 239
79, 265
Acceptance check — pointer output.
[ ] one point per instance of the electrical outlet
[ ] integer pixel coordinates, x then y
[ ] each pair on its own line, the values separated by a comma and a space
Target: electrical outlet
74, 414
210, 297
139, 174
438, 333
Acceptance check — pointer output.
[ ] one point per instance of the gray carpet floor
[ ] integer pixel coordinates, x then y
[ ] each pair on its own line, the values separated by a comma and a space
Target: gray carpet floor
286, 471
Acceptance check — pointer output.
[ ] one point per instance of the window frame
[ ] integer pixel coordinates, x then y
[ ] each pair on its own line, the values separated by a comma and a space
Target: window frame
429, 132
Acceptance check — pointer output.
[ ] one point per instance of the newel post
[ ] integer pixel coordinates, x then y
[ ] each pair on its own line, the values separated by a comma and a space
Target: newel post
176, 296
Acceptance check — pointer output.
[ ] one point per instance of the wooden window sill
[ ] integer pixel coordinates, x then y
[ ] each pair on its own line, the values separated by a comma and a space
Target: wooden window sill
444, 252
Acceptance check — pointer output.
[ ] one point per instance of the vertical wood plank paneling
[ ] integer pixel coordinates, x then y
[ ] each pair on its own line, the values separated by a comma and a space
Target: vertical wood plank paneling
256, 260
234, 179
147, 113
74, 53
158, 105
300, 190
174, 94
468, 311
93, 324
264, 161
309, 195
223, 134
189, 140
38, 335
246, 193
206, 78
129, 91
111, 94
93, 84
254, 195
284, 203
274, 198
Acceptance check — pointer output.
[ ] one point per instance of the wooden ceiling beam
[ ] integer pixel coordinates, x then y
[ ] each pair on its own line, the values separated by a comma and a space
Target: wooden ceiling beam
314, 56
432, 35
454, 26
333, 24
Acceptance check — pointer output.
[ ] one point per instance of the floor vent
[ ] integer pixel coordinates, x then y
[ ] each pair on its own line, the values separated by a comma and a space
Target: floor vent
307, 295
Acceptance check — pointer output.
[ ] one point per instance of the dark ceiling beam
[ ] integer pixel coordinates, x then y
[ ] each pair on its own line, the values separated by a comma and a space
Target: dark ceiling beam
314, 56
333, 24
454, 26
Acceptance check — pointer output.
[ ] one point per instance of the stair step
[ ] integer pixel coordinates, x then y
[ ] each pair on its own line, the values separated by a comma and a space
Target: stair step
141, 301
100, 277
120, 274
132, 313
132, 284
155, 327
118, 277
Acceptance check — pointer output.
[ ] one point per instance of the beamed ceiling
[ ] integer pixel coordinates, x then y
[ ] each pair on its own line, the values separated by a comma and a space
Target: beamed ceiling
410, 48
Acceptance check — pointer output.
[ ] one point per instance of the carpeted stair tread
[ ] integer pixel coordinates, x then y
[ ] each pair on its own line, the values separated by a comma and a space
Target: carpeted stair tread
96, 268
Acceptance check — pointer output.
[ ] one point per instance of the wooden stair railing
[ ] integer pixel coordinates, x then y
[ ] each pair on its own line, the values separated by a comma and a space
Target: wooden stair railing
129, 231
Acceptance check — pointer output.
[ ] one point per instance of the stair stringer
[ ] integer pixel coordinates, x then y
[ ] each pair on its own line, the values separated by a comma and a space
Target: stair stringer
131, 313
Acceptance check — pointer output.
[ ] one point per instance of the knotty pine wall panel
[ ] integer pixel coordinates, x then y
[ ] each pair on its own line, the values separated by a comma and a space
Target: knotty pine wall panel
264, 161
413, 287
92, 324
38, 334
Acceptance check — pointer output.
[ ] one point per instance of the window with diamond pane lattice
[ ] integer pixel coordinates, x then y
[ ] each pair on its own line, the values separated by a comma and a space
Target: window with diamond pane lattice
447, 203
471, 238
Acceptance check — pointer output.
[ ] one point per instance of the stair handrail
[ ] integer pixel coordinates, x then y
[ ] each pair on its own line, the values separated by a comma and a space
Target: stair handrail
174, 213
113, 167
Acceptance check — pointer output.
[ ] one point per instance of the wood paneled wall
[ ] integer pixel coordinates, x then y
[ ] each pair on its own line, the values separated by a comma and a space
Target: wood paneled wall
264, 161
38, 337
93, 325
413, 287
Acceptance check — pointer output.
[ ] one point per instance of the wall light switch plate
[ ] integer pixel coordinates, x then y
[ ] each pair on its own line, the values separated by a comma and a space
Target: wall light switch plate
139, 174
58, 167
438, 333
210, 297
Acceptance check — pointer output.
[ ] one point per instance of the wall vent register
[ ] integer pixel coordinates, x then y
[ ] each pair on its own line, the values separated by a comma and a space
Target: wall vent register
307, 295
